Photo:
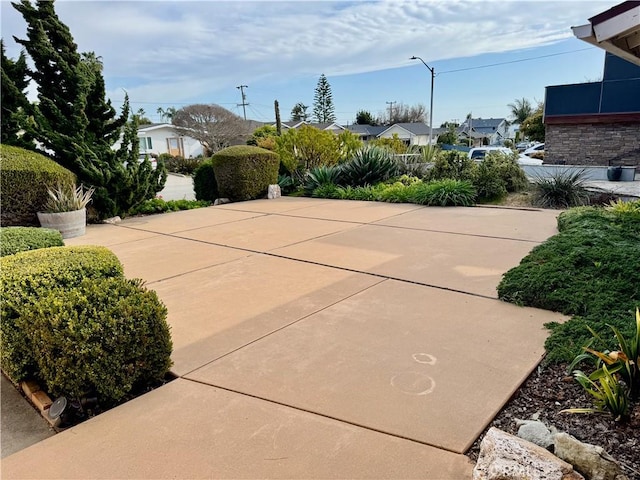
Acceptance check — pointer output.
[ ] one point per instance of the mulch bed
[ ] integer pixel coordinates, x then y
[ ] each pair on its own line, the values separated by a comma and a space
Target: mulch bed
548, 391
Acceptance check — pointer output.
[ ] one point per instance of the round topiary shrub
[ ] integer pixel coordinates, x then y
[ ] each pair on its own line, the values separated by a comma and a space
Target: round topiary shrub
24, 179
244, 172
105, 337
28, 276
204, 182
21, 239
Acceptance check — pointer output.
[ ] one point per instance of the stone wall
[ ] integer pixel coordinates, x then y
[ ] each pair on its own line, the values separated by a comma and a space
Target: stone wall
593, 144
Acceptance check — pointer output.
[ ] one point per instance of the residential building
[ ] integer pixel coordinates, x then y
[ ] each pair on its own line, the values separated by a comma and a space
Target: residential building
494, 130
159, 138
367, 132
410, 133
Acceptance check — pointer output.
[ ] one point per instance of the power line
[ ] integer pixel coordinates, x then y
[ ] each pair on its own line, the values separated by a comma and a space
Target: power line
516, 61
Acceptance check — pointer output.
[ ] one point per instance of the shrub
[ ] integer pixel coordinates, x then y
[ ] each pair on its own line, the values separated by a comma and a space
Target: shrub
368, 166
509, 171
446, 192
21, 239
487, 180
103, 337
244, 172
26, 277
24, 179
286, 183
181, 165
562, 190
590, 270
158, 205
319, 176
327, 190
453, 165
204, 182
397, 193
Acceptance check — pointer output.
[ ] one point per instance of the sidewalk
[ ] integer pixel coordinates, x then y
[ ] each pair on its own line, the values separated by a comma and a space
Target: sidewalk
315, 339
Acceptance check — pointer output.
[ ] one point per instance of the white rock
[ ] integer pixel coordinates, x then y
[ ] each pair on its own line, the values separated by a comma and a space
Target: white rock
274, 191
112, 220
591, 460
507, 457
221, 201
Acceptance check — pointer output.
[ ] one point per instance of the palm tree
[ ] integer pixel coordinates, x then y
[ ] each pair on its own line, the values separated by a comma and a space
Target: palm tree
520, 110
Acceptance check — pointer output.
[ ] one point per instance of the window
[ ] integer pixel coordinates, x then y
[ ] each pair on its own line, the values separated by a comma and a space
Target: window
145, 143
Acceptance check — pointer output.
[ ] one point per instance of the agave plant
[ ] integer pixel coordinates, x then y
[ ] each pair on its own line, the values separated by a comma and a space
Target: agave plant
319, 176
66, 198
369, 166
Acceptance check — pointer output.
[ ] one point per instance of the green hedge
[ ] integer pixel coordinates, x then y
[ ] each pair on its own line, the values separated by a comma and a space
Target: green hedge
24, 179
26, 277
244, 172
204, 182
72, 321
21, 239
104, 337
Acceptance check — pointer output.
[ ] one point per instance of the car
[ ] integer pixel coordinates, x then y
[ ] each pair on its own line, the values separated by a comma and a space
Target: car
522, 146
478, 153
538, 147
527, 160
152, 159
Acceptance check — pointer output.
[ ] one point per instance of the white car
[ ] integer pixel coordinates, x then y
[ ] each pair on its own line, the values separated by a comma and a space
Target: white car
478, 153
539, 147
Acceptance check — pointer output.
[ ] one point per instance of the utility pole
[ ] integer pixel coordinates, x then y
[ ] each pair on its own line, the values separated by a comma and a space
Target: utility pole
390, 110
244, 99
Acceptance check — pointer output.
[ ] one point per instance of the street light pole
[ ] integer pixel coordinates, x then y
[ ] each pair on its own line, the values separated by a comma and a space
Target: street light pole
433, 74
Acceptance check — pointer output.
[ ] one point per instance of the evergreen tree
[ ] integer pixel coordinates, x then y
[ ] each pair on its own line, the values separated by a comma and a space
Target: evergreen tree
323, 109
364, 117
74, 121
15, 106
299, 112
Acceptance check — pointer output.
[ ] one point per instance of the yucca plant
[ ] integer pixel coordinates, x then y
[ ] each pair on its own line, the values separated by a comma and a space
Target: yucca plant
65, 198
608, 394
369, 166
564, 189
319, 176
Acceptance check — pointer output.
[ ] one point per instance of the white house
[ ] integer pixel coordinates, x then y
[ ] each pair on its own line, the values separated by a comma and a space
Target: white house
410, 133
161, 138
495, 130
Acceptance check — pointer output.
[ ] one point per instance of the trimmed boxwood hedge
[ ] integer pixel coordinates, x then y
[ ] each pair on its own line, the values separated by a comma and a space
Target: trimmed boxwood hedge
24, 179
26, 277
21, 239
244, 172
104, 337
72, 321
204, 182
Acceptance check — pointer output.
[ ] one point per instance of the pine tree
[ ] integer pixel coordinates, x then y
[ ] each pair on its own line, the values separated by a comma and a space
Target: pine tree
299, 112
323, 109
15, 105
75, 122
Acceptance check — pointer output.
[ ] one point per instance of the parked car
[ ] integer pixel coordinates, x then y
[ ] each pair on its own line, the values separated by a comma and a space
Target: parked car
522, 146
153, 160
539, 147
478, 153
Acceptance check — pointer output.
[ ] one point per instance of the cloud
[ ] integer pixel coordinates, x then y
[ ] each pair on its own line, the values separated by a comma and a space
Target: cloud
180, 50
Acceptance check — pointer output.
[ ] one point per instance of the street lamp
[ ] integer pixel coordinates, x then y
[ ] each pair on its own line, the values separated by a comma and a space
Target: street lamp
433, 74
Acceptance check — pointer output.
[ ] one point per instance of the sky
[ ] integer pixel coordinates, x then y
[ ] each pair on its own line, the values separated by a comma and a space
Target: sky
175, 53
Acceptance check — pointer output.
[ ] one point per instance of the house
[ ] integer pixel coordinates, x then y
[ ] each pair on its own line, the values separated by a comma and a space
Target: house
366, 132
159, 138
410, 133
330, 126
598, 123
495, 130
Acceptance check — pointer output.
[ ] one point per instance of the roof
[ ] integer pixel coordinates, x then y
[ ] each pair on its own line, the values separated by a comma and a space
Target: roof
616, 30
366, 130
416, 128
153, 126
483, 123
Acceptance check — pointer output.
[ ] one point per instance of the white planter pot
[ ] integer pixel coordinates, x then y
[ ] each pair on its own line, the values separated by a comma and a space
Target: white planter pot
69, 224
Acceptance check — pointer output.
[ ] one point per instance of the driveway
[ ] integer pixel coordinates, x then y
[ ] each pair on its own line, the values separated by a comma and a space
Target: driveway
315, 339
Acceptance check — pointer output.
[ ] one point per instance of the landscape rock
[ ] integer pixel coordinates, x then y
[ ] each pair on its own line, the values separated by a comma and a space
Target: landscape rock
221, 201
112, 220
507, 457
274, 191
591, 460
536, 432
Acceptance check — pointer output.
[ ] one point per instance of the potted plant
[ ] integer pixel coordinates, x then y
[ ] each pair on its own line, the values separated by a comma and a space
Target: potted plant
614, 172
65, 210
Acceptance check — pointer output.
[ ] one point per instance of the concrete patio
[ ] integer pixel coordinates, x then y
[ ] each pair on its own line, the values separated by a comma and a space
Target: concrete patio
315, 339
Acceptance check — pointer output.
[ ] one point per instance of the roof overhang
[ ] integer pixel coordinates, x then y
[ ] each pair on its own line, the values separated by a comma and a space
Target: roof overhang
617, 31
